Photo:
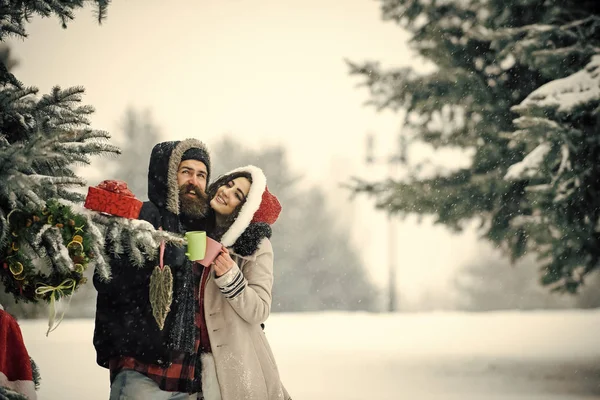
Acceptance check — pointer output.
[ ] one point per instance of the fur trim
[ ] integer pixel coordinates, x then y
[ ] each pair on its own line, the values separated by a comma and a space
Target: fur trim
174, 160
250, 239
26, 388
36, 374
253, 200
210, 383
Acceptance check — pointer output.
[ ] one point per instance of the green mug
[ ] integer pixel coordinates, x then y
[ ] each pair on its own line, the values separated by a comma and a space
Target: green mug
196, 245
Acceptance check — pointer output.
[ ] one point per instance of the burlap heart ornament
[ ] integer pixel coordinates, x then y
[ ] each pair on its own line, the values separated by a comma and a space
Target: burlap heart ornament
161, 290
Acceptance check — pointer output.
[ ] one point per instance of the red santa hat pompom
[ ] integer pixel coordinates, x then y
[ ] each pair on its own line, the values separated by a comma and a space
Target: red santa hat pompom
269, 209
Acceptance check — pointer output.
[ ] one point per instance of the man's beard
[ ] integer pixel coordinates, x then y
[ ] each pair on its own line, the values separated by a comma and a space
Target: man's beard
193, 207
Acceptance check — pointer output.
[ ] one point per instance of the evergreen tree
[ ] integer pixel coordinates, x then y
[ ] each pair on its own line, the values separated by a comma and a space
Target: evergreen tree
139, 135
42, 140
489, 283
589, 295
316, 267
516, 83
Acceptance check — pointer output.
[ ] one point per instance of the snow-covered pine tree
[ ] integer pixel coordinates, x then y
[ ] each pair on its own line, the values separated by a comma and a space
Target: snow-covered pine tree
47, 238
504, 87
559, 127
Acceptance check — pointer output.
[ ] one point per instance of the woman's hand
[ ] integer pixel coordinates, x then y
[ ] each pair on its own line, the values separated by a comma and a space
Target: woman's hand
223, 263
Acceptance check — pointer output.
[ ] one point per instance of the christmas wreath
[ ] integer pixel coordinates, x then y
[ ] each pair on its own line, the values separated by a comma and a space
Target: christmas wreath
47, 253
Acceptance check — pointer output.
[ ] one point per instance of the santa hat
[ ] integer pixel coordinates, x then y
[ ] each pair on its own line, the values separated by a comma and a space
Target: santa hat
260, 206
16, 372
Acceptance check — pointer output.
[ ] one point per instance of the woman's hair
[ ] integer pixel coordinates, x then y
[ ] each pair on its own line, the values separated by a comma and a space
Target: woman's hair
219, 231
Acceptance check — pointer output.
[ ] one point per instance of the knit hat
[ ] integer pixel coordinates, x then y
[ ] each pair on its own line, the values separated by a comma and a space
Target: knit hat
261, 206
16, 371
198, 154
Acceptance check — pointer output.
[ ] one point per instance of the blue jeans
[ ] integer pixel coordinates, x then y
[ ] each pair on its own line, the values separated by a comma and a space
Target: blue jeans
131, 385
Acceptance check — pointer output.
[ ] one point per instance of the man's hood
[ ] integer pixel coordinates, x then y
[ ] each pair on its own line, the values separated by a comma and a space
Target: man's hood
163, 190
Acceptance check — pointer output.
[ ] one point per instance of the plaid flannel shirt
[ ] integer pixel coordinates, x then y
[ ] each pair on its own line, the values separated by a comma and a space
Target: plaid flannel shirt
183, 375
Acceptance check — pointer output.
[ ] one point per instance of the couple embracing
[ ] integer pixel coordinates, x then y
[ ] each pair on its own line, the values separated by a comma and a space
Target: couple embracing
211, 345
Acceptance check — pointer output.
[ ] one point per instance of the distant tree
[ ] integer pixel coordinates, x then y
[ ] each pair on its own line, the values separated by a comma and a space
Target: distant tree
316, 267
138, 136
515, 84
589, 297
490, 283
430, 299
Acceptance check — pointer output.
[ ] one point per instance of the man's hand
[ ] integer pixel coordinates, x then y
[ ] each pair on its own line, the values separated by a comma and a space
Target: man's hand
223, 263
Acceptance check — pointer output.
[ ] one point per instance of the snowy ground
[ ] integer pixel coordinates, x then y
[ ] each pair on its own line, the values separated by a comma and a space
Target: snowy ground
349, 356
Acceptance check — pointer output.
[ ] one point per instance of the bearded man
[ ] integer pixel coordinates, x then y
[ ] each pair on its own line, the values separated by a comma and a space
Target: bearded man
150, 357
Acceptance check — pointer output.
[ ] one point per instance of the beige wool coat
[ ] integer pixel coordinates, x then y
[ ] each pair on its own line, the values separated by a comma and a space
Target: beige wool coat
235, 304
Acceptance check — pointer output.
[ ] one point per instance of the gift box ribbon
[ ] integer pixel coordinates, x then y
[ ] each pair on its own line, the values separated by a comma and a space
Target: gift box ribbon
118, 187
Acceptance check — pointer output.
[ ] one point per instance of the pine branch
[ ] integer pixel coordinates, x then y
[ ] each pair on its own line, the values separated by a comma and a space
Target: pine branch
53, 246
47, 137
14, 14
7, 78
101, 11
8, 394
143, 236
4, 232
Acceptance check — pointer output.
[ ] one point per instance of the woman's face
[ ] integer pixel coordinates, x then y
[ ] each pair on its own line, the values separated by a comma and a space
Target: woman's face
230, 195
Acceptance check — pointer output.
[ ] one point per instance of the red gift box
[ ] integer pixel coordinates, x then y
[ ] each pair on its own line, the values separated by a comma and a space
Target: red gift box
113, 197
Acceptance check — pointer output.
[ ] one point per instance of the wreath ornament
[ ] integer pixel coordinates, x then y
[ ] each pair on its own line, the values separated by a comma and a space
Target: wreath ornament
46, 256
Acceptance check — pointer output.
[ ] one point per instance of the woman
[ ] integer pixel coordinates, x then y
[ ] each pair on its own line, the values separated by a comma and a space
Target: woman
236, 296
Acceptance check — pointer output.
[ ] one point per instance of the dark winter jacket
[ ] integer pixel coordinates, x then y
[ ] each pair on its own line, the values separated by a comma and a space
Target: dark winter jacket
125, 325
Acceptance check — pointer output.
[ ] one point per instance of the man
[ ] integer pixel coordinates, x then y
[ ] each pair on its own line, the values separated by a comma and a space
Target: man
147, 361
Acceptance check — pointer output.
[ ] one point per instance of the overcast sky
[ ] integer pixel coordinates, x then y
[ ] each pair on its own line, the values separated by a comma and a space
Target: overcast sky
265, 71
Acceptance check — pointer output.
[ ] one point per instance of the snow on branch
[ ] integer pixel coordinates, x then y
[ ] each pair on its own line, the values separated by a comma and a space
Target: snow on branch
137, 238
530, 165
565, 94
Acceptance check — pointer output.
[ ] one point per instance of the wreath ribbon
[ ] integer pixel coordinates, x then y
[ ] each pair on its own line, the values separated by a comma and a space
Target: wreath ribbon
54, 290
